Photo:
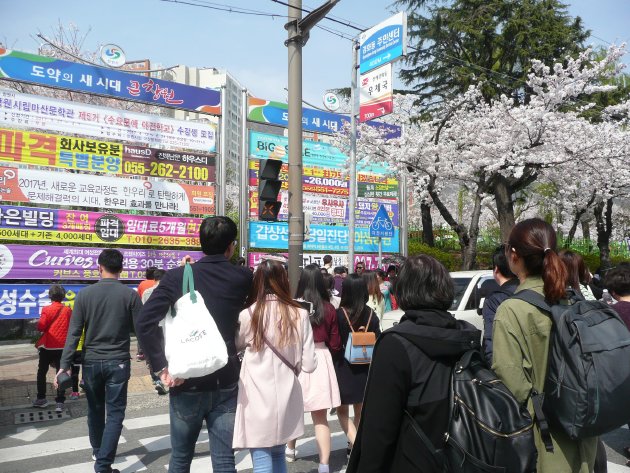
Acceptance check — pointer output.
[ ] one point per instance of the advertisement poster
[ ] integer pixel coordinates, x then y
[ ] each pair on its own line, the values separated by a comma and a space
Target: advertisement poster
79, 263
329, 209
82, 154
21, 111
371, 261
323, 237
53, 72
78, 226
64, 188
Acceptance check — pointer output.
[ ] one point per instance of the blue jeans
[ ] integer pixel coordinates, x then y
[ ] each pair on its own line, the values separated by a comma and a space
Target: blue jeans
106, 391
269, 460
188, 410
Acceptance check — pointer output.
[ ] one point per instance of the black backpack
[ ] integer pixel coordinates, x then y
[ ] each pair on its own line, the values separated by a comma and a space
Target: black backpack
488, 431
587, 387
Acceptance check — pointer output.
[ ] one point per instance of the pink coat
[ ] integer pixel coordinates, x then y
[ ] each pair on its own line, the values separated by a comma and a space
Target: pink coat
270, 409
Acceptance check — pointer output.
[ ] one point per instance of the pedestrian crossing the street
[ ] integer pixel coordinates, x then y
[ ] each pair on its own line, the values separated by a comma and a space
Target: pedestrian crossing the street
64, 447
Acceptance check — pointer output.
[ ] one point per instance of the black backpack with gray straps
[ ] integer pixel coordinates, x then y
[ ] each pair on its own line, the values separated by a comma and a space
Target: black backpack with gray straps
587, 387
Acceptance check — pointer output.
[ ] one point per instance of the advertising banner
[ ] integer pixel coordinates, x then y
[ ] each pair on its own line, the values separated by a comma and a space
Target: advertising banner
79, 263
26, 301
20, 111
323, 238
63, 188
383, 43
36, 224
314, 153
376, 93
333, 182
53, 72
329, 209
81, 154
371, 261
277, 113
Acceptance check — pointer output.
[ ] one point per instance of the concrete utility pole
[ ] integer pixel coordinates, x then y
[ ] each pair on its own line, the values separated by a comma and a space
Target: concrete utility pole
298, 29
244, 181
352, 202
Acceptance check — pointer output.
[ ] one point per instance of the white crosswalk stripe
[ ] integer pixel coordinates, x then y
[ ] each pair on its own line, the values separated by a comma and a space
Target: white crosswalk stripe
145, 447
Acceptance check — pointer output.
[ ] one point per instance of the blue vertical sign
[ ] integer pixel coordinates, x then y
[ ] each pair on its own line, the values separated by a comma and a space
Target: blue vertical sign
382, 226
383, 43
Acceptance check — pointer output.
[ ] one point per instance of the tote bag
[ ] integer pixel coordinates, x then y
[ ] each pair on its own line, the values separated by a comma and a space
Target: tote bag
193, 344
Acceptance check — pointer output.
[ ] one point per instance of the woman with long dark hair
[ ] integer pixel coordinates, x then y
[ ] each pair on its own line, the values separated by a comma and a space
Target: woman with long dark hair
521, 338
353, 311
579, 276
319, 388
276, 334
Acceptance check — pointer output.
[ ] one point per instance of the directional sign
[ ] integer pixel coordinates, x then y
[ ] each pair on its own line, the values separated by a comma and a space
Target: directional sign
382, 225
376, 95
383, 43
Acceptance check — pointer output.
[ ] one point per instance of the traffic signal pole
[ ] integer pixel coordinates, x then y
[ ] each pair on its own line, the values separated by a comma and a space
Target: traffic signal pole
296, 213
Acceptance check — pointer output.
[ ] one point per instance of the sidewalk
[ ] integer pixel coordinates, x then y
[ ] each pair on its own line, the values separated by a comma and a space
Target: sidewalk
18, 376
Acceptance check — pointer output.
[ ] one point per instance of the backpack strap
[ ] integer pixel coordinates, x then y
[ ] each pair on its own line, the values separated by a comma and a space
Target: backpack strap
367, 326
348, 319
533, 298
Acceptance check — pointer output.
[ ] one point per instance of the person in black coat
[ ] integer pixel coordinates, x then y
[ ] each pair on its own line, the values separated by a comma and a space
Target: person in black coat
352, 378
411, 370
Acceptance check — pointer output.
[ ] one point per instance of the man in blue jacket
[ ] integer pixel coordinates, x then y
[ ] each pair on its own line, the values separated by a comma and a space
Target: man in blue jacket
212, 398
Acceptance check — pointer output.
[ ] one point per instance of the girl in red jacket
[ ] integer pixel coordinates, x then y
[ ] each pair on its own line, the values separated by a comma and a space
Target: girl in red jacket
53, 323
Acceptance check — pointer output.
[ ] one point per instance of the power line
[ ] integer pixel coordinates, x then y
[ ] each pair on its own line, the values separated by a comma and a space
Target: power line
329, 18
227, 8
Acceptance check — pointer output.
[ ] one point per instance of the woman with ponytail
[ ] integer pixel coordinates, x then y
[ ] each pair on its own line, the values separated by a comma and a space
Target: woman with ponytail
521, 338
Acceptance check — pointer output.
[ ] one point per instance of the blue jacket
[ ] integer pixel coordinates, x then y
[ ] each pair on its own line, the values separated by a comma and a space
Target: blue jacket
490, 306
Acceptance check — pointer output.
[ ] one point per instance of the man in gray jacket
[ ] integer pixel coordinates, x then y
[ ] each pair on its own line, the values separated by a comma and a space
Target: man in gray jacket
105, 311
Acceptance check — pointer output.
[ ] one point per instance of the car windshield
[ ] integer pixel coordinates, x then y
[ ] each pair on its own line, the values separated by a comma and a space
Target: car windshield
460, 288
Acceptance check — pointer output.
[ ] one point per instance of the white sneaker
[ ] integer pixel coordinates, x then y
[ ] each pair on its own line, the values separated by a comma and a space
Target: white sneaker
290, 454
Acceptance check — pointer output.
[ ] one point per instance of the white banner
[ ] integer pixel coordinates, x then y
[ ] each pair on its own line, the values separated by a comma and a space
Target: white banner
85, 190
19, 110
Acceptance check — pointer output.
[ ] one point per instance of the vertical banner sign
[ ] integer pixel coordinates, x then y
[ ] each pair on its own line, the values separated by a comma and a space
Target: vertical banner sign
383, 43
376, 93
53, 72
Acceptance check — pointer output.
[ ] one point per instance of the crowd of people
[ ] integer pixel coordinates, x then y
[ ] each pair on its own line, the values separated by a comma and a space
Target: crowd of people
288, 354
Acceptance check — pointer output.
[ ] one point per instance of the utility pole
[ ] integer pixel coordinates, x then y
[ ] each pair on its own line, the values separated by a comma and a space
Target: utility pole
352, 204
298, 30
222, 178
244, 181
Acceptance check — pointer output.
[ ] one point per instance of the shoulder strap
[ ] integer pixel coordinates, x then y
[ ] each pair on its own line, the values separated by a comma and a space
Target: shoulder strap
188, 283
533, 298
296, 370
367, 326
348, 319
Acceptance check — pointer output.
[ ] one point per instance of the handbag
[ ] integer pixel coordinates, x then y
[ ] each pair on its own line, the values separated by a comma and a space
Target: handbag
360, 343
193, 345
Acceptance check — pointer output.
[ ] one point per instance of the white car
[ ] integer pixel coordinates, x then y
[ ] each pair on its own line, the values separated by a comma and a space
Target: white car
466, 304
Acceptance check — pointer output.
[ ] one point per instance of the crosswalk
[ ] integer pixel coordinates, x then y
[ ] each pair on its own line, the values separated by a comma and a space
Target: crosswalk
144, 446
64, 447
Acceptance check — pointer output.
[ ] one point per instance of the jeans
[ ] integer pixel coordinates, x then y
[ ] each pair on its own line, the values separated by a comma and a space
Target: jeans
106, 390
188, 410
269, 460
47, 358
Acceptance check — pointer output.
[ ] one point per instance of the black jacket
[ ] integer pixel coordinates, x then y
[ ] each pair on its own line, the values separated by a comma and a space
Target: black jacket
411, 369
490, 306
224, 288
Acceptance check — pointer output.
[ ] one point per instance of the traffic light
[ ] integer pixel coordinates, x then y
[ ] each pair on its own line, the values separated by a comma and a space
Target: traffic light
268, 188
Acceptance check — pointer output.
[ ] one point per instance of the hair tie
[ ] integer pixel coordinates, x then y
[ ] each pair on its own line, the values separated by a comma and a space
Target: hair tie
546, 250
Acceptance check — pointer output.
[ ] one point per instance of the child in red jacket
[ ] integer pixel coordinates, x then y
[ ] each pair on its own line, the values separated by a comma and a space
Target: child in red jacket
53, 323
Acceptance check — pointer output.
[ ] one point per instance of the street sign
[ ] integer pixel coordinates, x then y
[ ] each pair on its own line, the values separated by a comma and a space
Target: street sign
383, 43
382, 225
331, 102
376, 93
112, 55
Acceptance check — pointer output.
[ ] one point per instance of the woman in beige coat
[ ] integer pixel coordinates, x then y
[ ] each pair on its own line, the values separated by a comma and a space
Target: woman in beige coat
276, 334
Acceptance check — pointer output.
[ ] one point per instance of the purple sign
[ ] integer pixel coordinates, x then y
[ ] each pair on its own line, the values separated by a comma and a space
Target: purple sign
77, 263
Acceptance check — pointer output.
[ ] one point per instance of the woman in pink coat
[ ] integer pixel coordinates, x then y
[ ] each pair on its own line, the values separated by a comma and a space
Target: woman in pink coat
276, 334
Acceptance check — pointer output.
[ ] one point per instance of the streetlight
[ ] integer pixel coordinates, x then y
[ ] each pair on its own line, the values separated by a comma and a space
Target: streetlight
298, 29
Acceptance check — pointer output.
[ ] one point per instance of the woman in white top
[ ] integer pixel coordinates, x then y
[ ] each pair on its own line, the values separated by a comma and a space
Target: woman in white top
376, 301
276, 334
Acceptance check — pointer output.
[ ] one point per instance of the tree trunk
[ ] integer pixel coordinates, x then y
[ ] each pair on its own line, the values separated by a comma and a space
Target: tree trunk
505, 206
469, 253
586, 233
427, 225
603, 219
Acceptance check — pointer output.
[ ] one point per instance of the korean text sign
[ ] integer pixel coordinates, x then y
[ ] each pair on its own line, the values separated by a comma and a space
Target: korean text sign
376, 93
370, 261
62, 188
26, 301
82, 154
80, 263
37, 224
21, 111
323, 237
383, 43
54, 72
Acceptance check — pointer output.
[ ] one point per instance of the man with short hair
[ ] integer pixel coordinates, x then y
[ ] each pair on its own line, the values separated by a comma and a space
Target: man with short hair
105, 311
328, 264
359, 268
508, 283
212, 398
339, 273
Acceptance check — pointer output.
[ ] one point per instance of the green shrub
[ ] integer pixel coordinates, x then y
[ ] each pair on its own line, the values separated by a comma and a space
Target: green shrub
416, 247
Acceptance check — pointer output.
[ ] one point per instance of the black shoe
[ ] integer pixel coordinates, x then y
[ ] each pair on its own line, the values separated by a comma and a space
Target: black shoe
111, 470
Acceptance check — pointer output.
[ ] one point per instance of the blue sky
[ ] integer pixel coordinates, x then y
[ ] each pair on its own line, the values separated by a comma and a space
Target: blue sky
250, 47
